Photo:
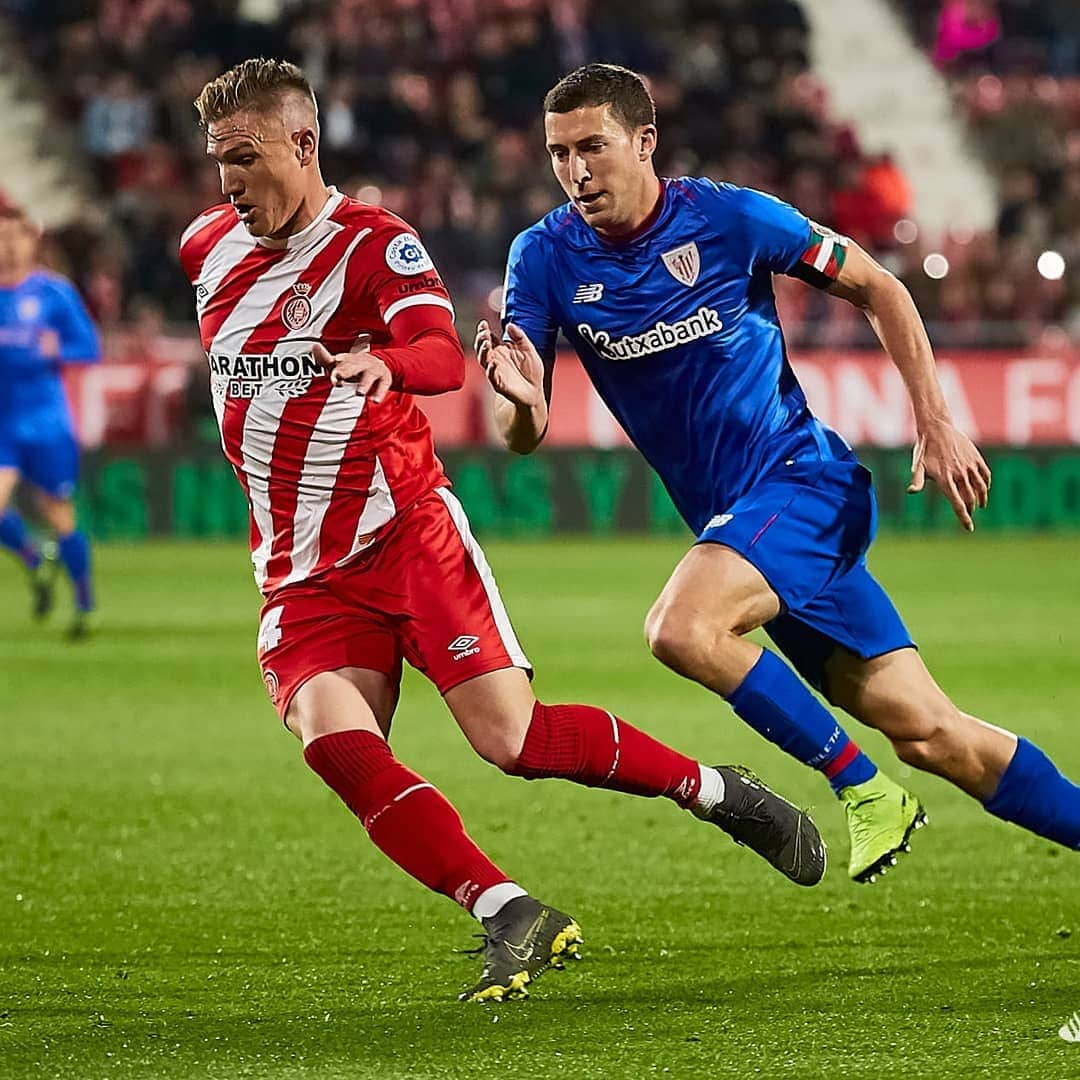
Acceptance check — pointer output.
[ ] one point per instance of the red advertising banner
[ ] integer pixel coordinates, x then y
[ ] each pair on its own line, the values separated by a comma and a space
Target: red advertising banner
143, 393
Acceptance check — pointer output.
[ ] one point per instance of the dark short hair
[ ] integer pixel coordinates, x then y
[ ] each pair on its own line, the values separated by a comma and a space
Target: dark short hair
251, 84
604, 84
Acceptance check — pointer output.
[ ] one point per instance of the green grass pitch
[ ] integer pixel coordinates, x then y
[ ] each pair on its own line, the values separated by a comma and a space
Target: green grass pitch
180, 897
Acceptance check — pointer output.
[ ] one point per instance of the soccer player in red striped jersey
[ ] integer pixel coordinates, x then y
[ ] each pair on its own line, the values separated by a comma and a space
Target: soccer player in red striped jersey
321, 318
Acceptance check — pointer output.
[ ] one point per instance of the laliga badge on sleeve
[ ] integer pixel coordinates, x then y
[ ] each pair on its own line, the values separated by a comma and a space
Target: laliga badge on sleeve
406, 255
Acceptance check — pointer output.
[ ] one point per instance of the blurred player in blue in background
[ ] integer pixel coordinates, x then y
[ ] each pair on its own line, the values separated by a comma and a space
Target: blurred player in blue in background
43, 325
664, 289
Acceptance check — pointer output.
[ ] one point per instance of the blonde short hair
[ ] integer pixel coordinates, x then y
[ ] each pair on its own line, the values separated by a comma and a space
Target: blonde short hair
252, 84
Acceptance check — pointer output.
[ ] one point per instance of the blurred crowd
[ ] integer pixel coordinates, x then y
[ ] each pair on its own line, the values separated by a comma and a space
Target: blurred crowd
431, 108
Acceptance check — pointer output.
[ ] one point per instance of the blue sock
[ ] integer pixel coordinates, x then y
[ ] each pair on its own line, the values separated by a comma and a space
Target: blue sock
74, 550
775, 702
1035, 796
15, 537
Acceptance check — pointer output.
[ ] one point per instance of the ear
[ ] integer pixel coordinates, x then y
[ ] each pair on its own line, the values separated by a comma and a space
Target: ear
306, 146
646, 141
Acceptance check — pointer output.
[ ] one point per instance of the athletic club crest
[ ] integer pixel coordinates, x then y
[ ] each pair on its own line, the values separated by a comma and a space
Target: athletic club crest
296, 313
683, 263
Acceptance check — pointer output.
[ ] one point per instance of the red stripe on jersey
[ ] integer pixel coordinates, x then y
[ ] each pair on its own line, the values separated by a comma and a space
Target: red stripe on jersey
296, 427
234, 287
193, 253
272, 329
355, 309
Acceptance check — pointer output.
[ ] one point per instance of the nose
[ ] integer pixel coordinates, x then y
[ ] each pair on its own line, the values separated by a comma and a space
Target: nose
231, 184
579, 170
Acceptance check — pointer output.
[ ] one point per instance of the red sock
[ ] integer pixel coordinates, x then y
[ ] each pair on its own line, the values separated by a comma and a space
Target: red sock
407, 819
596, 748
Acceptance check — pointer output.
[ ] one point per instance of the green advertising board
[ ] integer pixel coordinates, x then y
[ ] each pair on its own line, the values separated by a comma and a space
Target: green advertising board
194, 494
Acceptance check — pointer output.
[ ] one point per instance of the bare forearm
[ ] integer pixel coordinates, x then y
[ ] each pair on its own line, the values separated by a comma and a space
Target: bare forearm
521, 427
899, 327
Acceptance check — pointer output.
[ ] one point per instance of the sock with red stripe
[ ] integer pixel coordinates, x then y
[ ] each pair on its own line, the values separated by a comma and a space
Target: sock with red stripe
411, 822
593, 747
776, 703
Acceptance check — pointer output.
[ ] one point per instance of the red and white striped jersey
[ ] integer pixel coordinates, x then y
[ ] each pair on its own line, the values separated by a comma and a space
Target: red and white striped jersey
323, 469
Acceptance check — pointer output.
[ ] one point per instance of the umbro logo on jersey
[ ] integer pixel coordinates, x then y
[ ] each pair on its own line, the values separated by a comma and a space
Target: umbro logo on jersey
683, 263
463, 646
588, 294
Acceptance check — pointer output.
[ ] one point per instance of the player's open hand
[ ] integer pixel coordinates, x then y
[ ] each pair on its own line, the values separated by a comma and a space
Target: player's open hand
949, 458
370, 375
513, 367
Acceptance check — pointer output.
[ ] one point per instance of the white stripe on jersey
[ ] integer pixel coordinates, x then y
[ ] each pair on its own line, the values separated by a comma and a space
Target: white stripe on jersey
413, 301
222, 257
824, 254
330, 435
326, 298
200, 223
322, 462
476, 553
257, 448
378, 510
252, 309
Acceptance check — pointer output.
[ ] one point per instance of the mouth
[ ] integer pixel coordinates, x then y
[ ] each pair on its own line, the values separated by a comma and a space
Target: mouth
590, 200
244, 211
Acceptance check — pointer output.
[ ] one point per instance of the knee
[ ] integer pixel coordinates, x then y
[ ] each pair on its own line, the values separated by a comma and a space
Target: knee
677, 637
500, 741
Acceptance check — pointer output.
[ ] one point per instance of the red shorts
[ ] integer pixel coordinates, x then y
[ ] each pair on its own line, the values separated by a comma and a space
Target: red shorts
422, 592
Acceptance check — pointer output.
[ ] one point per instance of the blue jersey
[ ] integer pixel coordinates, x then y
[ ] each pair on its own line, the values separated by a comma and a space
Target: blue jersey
43, 325
677, 328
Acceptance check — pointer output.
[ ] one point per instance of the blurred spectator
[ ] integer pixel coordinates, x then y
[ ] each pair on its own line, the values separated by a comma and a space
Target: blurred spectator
431, 108
965, 26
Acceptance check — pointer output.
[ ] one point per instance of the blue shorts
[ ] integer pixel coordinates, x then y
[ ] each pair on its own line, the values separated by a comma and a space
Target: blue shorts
48, 459
807, 528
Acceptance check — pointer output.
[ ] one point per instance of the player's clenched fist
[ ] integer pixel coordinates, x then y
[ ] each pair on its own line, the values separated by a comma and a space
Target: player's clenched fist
513, 367
370, 375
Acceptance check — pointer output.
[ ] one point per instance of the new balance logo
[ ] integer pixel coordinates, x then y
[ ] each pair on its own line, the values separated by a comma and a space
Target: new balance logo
463, 646
1070, 1030
720, 519
588, 294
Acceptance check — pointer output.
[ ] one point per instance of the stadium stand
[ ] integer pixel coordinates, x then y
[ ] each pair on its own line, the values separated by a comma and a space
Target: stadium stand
430, 107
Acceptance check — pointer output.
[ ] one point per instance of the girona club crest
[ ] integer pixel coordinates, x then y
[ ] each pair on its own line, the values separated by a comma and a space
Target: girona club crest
296, 313
273, 688
683, 263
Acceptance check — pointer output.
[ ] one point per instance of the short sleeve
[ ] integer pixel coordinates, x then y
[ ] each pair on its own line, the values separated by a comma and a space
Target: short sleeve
403, 275
781, 239
525, 295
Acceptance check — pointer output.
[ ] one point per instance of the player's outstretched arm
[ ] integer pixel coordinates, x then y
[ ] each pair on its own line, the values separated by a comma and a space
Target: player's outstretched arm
942, 452
517, 374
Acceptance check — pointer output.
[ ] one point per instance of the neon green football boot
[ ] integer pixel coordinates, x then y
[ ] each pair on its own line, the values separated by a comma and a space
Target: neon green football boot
881, 817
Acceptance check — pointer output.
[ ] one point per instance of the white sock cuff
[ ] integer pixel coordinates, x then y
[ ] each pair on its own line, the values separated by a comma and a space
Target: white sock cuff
490, 902
711, 792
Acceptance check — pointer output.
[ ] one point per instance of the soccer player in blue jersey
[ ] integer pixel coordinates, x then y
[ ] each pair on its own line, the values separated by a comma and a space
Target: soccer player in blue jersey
664, 289
43, 325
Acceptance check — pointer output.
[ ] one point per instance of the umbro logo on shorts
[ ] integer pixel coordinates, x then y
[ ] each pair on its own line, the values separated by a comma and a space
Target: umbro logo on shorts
464, 645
